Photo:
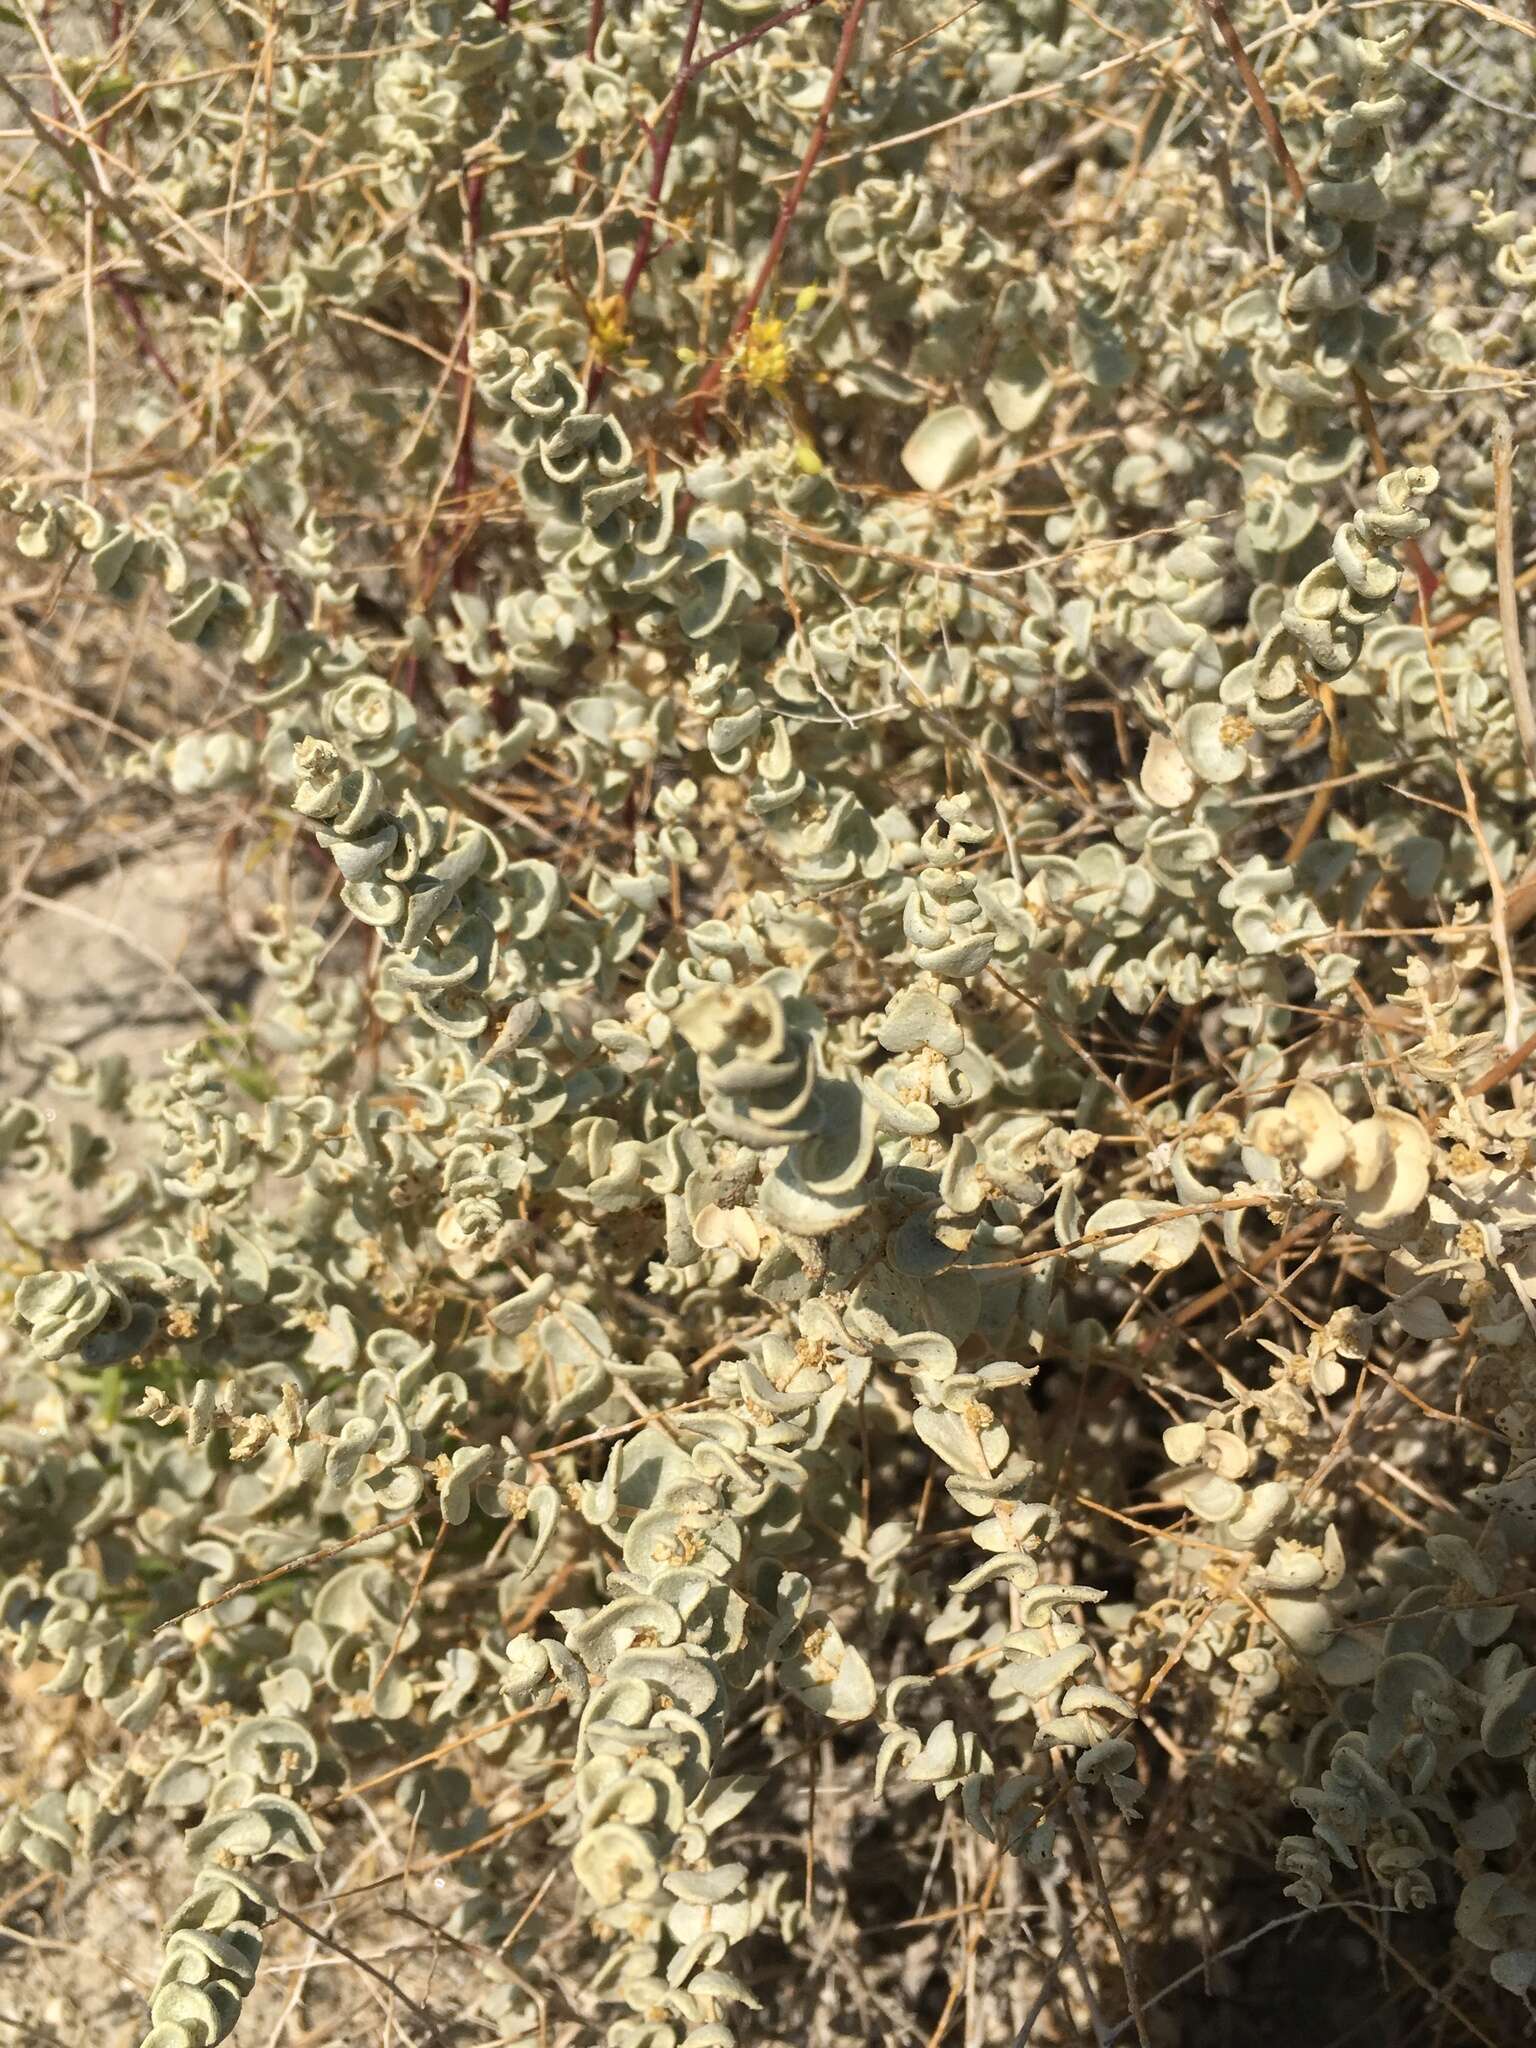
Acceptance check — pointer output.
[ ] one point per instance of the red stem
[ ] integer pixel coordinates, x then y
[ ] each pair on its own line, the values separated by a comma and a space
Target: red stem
149, 350
749, 305
661, 151
128, 300
1259, 99
753, 35
666, 136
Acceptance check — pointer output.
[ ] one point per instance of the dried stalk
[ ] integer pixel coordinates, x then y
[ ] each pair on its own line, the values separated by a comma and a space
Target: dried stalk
1509, 619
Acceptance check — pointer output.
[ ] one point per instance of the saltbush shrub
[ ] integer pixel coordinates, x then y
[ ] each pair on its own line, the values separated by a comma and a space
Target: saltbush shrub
869, 660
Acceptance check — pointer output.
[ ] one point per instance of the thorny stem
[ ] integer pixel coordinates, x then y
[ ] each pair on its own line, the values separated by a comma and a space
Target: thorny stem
711, 379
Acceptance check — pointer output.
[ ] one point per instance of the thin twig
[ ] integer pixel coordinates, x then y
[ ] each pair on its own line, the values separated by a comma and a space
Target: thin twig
1259, 99
294, 1564
498, 1833
710, 381
358, 1962
1084, 1834
1428, 581
431, 1756
1233, 1948
690, 70
134, 944
661, 155
434, 1550
1509, 619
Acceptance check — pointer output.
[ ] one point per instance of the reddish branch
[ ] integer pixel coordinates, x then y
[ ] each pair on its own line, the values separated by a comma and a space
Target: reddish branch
128, 299
661, 152
753, 35
749, 305
1268, 120
665, 137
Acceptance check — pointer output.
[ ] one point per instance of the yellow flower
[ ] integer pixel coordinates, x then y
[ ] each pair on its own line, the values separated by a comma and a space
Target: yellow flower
608, 322
763, 356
